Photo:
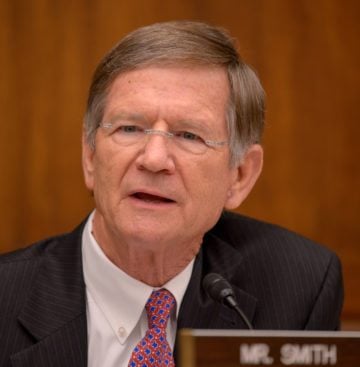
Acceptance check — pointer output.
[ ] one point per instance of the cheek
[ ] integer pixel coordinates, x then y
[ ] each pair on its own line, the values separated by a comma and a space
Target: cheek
110, 165
207, 189
107, 175
210, 185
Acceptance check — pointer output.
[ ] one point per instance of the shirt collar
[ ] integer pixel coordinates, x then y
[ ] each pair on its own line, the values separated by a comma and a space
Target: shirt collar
120, 297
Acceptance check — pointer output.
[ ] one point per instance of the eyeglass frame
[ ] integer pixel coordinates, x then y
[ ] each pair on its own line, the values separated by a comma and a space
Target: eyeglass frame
168, 134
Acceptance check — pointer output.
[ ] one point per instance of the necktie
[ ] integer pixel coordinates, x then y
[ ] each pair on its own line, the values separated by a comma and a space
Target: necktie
153, 349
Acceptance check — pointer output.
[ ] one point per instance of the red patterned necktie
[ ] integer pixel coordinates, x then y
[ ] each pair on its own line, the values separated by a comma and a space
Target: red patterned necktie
153, 349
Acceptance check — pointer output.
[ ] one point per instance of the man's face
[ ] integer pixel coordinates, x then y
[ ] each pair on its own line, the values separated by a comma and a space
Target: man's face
154, 193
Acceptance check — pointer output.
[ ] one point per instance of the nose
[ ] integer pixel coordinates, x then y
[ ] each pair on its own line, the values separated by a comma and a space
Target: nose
155, 155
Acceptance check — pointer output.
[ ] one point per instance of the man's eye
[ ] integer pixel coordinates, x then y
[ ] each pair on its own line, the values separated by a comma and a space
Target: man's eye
129, 129
188, 136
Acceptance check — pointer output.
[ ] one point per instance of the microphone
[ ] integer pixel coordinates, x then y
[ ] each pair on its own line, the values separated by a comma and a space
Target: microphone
219, 289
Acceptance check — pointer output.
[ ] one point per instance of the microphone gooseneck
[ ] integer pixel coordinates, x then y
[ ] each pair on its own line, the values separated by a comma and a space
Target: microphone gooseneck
219, 289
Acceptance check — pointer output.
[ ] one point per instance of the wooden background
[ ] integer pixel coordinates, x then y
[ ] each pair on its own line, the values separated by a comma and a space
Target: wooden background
306, 53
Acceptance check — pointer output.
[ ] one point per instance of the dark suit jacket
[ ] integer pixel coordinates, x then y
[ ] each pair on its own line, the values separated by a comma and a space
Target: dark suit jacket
281, 281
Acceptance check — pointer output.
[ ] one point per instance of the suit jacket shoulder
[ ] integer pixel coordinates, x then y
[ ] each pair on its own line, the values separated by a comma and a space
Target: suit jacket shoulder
283, 280
42, 306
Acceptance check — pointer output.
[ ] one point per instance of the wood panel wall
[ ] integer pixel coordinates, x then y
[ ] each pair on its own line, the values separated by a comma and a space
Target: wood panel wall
306, 53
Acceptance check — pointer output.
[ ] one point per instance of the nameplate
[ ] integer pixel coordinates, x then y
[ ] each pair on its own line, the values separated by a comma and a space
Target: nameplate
230, 348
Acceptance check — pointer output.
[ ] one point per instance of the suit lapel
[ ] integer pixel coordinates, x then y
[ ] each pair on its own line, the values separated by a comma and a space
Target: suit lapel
197, 310
55, 311
67, 347
201, 312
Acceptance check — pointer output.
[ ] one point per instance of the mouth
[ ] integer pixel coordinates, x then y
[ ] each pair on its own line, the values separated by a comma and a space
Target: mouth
149, 198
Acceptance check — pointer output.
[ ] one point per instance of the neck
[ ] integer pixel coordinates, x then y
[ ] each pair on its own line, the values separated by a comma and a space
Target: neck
151, 263
154, 269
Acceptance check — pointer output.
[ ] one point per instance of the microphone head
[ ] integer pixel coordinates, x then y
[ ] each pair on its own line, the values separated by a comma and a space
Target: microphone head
217, 287
220, 290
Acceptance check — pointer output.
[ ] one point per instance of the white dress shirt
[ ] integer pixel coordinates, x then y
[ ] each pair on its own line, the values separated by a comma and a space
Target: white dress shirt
116, 316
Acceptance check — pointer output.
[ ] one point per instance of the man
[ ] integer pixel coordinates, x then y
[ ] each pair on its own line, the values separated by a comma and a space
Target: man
171, 140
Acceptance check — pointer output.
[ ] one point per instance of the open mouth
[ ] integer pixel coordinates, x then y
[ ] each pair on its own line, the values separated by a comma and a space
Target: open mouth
151, 198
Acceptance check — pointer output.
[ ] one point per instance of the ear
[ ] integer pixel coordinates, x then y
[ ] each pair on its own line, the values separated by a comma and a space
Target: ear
245, 176
88, 153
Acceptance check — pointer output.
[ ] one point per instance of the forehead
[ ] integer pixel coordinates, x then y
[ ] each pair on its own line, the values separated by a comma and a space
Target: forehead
171, 91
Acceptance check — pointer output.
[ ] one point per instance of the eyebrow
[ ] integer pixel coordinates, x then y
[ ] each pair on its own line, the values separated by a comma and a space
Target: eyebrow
127, 116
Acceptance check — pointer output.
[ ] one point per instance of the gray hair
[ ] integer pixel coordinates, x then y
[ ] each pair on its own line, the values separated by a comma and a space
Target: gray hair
184, 42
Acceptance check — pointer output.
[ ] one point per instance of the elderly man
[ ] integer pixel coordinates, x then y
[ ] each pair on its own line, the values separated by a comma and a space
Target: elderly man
171, 141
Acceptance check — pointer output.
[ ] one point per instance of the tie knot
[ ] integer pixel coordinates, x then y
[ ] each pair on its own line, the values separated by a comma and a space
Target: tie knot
158, 308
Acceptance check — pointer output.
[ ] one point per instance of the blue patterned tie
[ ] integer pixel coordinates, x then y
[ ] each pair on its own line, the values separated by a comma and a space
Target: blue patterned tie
153, 349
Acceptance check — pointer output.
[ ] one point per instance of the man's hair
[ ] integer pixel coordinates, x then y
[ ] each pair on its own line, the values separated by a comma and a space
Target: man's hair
192, 43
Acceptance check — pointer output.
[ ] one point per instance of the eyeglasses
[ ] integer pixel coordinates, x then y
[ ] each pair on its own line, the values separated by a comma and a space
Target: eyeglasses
127, 135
